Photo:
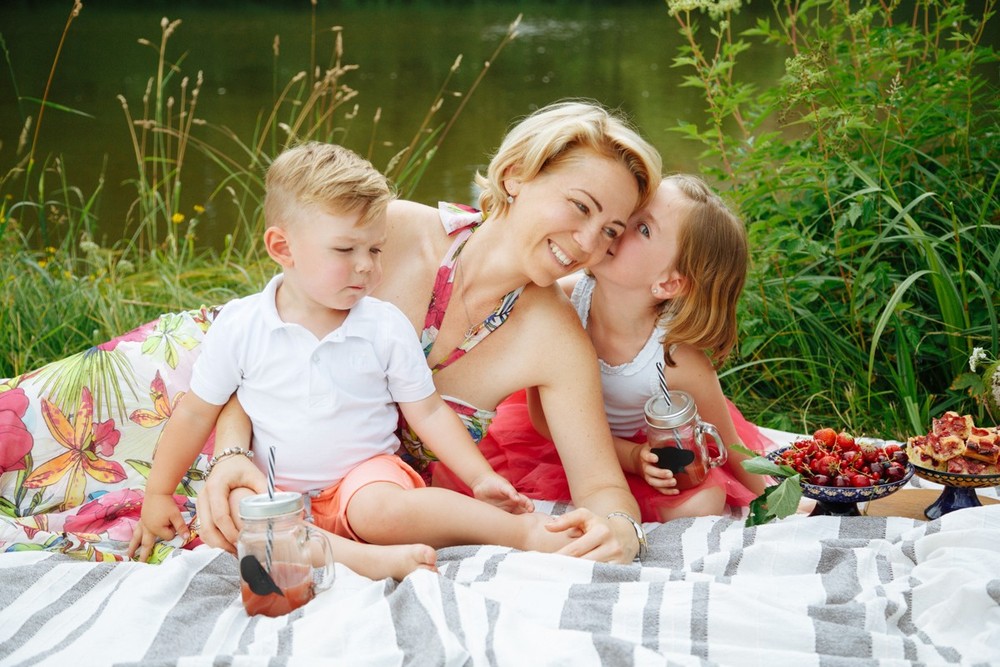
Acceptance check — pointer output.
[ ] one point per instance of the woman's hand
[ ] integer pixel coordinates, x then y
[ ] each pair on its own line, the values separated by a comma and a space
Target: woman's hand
661, 479
217, 526
496, 490
599, 539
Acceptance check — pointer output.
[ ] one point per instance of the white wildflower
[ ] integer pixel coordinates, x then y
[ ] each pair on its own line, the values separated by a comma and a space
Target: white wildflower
996, 385
978, 354
715, 8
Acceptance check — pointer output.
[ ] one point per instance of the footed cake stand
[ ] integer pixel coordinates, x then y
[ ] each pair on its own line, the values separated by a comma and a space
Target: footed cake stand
959, 490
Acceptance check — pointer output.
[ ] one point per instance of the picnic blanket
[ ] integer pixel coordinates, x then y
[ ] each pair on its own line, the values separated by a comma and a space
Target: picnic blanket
802, 591
76, 441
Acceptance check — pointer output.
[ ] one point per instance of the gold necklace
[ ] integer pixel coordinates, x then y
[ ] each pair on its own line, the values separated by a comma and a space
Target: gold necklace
460, 273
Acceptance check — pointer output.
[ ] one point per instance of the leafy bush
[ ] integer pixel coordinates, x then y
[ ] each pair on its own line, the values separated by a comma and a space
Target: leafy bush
868, 177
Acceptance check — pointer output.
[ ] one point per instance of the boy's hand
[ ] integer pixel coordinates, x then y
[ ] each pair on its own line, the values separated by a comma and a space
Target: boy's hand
661, 479
160, 519
496, 490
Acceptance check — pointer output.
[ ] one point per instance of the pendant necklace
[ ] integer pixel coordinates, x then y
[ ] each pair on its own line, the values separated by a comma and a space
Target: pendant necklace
461, 284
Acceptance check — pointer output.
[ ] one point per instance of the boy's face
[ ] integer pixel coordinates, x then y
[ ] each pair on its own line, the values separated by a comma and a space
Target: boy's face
334, 261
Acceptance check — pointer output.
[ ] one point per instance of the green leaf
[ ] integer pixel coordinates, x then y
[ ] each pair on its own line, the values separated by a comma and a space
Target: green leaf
758, 511
743, 449
784, 500
969, 381
58, 107
8, 508
777, 502
141, 467
762, 466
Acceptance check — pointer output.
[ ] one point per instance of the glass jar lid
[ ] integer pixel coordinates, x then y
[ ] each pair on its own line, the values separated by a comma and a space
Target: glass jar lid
263, 506
680, 410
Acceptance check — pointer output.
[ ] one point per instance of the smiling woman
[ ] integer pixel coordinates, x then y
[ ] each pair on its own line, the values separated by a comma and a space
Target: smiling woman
555, 196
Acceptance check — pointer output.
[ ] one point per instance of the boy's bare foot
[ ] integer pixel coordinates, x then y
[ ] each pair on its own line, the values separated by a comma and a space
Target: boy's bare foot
377, 561
396, 560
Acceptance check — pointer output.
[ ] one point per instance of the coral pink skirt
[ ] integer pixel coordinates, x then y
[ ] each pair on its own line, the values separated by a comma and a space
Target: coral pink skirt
532, 464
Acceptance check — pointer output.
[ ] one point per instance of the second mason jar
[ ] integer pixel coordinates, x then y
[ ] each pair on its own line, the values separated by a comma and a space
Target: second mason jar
675, 424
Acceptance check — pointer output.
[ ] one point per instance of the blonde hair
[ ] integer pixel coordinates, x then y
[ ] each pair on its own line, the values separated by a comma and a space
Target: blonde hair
713, 255
326, 175
551, 134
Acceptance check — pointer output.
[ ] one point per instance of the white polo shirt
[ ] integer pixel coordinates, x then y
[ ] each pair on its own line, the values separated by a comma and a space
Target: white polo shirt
326, 405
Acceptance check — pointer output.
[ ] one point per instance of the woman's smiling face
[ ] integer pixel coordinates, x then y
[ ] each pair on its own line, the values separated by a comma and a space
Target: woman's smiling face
571, 213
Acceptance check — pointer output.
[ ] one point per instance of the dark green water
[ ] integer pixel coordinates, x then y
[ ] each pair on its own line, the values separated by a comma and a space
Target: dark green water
620, 55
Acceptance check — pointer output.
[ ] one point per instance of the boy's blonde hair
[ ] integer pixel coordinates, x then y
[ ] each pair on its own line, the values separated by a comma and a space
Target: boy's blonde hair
550, 135
713, 255
325, 175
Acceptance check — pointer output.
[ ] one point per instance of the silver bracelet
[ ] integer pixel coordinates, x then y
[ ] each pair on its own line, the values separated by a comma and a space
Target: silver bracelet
229, 451
640, 534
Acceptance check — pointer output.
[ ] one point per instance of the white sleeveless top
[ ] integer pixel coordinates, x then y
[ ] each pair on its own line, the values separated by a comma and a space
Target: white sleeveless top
626, 387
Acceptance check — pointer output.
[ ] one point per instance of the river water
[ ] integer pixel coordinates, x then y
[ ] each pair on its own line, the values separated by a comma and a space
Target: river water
618, 54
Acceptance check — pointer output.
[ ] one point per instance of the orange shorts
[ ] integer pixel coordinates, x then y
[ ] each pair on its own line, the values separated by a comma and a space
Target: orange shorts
329, 506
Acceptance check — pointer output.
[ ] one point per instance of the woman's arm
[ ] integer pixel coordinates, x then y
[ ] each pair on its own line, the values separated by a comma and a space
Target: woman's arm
233, 430
569, 393
633, 457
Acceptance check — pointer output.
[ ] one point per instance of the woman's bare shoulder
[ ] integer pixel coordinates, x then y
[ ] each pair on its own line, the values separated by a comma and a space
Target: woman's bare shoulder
551, 321
410, 218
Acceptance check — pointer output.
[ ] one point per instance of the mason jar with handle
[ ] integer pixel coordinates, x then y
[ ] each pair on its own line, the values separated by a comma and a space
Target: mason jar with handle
284, 561
676, 435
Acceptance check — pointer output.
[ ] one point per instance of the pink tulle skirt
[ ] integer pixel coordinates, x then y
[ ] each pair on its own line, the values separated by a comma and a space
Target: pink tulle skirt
532, 464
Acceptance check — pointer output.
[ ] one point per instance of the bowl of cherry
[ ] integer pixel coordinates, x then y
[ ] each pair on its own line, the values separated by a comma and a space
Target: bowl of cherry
839, 471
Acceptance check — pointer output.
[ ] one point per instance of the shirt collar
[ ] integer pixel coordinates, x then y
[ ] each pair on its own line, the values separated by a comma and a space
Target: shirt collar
362, 320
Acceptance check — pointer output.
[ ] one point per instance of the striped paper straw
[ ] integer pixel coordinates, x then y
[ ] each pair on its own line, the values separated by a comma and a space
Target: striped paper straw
270, 473
663, 383
268, 546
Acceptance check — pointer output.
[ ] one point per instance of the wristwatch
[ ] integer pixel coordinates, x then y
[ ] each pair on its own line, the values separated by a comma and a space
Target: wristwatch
640, 534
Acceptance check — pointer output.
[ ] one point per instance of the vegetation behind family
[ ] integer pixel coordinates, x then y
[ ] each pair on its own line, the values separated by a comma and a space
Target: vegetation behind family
867, 174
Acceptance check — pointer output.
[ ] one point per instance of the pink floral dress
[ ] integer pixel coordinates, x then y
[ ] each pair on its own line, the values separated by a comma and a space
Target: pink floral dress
459, 221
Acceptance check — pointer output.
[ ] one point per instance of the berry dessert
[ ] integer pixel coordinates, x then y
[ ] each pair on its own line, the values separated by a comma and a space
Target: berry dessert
956, 445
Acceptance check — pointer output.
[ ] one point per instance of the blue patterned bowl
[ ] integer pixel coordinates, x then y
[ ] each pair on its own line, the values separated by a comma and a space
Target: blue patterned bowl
842, 500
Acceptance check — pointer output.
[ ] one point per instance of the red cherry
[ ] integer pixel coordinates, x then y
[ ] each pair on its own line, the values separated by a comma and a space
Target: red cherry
860, 480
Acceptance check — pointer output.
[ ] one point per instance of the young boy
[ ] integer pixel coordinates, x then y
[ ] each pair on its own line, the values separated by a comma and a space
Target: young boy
320, 367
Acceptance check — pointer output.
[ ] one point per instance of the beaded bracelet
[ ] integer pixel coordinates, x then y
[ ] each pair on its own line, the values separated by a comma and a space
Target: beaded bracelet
229, 451
640, 534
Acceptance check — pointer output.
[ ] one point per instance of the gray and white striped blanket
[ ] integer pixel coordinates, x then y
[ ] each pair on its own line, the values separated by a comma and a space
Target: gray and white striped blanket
802, 591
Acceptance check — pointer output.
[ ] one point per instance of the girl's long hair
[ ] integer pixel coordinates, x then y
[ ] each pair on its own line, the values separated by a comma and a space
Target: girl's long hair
713, 254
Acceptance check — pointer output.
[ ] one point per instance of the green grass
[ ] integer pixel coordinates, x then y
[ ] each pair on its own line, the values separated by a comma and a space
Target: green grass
63, 293
867, 174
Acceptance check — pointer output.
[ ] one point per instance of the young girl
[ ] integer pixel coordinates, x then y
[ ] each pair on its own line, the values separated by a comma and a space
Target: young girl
666, 292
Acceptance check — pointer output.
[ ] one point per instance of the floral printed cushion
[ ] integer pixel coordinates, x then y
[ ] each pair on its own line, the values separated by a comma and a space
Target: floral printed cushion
77, 439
